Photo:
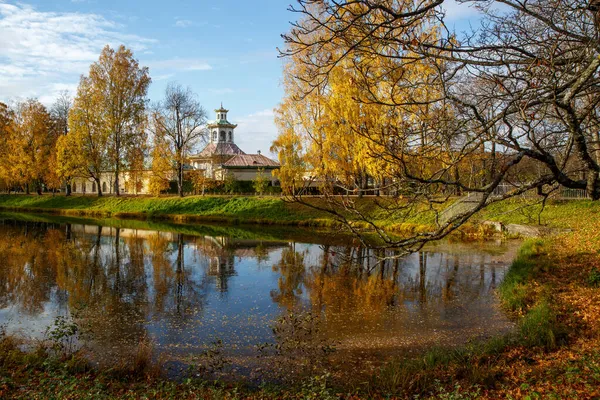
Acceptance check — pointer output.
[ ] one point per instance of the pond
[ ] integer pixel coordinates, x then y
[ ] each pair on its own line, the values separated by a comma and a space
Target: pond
235, 301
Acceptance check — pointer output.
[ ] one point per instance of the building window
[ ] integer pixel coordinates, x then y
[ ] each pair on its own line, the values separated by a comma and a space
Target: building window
214, 136
222, 136
74, 187
104, 187
94, 187
230, 137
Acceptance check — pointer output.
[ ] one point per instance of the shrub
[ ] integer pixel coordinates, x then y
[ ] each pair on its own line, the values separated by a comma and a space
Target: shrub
594, 277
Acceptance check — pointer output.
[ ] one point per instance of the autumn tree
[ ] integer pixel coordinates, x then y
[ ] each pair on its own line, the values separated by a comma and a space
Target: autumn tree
118, 87
456, 112
261, 182
179, 119
31, 145
230, 183
6, 132
83, 151
162, 165
290, 152
136, 160
59, 113
202, 183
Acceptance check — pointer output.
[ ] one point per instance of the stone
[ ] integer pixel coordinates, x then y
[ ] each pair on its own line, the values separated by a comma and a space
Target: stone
497, 226
527, 230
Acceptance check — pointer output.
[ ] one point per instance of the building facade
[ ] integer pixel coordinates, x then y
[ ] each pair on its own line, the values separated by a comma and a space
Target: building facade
220, 158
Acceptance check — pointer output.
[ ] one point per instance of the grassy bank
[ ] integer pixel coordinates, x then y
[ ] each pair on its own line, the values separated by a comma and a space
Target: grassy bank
232, 209
42, 375
274, 211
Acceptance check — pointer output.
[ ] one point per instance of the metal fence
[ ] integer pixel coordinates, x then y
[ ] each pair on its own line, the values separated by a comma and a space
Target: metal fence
560, 193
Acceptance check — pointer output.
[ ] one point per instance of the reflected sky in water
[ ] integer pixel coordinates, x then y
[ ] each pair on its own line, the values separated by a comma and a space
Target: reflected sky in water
184, 291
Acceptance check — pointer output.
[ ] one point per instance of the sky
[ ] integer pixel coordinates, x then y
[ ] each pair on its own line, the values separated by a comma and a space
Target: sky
224, 50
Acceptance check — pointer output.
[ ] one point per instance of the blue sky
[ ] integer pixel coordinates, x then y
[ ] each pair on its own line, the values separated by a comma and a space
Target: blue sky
225, 50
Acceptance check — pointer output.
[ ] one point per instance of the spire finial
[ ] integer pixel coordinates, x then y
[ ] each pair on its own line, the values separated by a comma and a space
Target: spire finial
221, 104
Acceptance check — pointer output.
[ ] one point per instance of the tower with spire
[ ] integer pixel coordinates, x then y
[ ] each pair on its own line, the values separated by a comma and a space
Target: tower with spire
221, 131
222, 156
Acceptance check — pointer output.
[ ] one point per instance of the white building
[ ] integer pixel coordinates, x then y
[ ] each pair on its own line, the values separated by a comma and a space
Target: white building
222, 156
218, 159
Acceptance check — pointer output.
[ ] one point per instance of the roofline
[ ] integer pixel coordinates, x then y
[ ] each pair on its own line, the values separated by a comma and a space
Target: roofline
250, 167
215, 124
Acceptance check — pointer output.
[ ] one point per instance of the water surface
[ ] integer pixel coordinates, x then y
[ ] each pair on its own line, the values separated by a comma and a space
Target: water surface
238, 299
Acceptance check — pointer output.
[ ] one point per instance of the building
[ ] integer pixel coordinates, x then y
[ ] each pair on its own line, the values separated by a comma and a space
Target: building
129, 183
222, 156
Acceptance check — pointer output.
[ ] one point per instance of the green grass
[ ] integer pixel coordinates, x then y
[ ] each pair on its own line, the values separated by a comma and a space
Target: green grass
275, 211
567, 214
515, 292
198, 209
235, 209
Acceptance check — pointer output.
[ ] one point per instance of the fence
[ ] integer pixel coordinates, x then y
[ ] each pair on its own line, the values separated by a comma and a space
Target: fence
560, 193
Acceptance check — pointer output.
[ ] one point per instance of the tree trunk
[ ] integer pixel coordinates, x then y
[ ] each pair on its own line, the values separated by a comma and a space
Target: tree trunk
97, 180
117, 193
593, 185
180, 178
68, 190
27, 188
68, 231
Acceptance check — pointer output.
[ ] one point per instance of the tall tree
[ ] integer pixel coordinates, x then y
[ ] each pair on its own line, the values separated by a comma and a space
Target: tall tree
136, 159
83, 151
31, 145
162, 165
119, 87
60, 121
6, 132
517, 94
179, 119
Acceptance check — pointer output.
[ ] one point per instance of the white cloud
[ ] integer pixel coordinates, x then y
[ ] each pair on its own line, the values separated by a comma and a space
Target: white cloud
40, 50
55, 90
181, 64
162, 77
256, 132
183, 23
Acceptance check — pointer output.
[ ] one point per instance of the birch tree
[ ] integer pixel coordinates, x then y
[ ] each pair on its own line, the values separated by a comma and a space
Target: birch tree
60, 121
180, 121
517, 93
83, 151
119, 87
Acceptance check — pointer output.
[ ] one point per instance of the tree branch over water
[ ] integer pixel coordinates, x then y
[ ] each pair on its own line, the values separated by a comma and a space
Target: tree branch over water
383, 97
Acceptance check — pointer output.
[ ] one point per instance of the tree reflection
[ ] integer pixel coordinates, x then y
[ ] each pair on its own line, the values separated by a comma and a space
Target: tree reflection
129, 284
178, 294
291, 269
352, 281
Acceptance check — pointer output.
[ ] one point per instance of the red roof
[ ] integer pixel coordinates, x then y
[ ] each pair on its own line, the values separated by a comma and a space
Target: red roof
214, 149
250, 160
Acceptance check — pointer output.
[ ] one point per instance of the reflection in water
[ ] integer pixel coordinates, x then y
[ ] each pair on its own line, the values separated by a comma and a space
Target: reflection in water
185, 292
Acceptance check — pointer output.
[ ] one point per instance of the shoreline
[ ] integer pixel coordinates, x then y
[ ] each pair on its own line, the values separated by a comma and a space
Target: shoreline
549, 279
231, 210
